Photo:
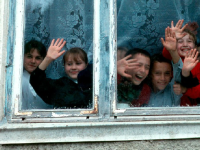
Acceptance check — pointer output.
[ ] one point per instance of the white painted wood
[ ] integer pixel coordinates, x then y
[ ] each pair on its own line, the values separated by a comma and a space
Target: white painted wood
96, 48
18, 55
4, 16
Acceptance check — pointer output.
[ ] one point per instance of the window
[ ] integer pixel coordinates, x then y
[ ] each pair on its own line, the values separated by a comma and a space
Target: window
104, 119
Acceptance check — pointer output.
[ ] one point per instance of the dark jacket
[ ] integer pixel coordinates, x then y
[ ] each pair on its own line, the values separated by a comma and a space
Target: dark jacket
63, 92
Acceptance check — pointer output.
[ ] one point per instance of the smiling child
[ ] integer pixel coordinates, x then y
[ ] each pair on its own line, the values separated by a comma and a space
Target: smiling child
66, 92
134, 68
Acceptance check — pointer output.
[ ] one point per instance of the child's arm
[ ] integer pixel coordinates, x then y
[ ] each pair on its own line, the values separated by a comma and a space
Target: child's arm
170, 44
126, 64
53, 53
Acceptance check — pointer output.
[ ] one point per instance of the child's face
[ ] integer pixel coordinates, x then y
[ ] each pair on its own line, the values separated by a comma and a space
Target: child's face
72, 67
32, 60
184, 45
140, 73
161, 75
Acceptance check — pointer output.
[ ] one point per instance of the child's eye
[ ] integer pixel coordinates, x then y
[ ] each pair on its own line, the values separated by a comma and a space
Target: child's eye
157, 73
167, 73
38, 58
180, 41
78, 63
147, 67
29, 56
69, 64
139, 65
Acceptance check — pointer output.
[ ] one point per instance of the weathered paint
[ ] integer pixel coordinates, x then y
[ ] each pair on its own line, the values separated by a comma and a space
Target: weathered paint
3, 36
102, 123
85, 132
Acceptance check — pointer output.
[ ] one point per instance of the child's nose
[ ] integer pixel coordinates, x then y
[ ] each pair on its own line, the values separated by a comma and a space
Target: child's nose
142, 68
33, 60
73, 66
184, 43
163, 77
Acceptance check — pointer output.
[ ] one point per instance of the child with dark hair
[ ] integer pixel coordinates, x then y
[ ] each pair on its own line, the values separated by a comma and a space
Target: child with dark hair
163, 74
34, 53
134, 68
73, 91
121, 52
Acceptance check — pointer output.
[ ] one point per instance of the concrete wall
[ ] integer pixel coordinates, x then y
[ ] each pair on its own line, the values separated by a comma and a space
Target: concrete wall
193, 144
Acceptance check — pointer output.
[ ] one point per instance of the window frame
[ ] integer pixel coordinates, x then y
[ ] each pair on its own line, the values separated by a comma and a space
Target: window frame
110, 123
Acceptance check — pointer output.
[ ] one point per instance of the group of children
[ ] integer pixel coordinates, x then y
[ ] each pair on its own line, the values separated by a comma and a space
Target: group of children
171, 83
143, 80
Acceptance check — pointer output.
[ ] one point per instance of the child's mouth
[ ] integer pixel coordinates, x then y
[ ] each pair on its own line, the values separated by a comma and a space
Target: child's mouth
185, 49
139, 77
73, 72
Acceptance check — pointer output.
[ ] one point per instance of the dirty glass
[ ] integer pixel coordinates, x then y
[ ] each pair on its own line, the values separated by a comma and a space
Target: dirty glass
71, 20
141, 24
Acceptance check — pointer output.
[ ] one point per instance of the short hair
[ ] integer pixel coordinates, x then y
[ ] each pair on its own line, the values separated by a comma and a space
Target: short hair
122, 49
192, 35
33, 44
159, 58
135, 51
76, 52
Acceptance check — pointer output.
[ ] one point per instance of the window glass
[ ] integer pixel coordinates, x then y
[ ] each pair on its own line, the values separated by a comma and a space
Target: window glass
141, 25
69, 20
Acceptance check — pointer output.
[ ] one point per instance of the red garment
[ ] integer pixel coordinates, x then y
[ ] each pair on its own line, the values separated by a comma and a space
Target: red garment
143, 97
190, 96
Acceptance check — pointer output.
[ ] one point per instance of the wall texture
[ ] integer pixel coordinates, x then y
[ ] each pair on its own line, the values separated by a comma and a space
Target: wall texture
192, 144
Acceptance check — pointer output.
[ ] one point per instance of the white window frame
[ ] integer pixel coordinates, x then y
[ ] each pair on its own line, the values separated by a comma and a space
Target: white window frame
105, 122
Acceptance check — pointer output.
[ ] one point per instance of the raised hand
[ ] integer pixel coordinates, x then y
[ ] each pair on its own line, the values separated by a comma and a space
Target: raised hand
54, 50
178, 29
126, 64
53, 53
190, 62
179, 89
170, 40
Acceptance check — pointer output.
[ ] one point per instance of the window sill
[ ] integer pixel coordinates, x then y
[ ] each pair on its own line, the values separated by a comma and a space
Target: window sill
18, 133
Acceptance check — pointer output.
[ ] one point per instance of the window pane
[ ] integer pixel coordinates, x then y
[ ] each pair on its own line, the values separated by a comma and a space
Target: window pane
72, 21
141, 24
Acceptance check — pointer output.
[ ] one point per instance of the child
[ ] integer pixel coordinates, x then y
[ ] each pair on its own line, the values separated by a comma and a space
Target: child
186, 41
187, 80
34, 53
161, 74
121, 51
132, 89
66, 92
